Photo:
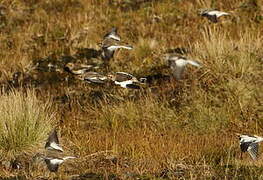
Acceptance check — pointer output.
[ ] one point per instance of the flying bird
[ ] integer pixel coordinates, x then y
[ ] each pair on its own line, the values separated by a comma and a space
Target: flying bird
250, 144
213, 15
77, 69
178, 63
125, 80
54, 162
112, 35
53, 142
108, 47
93, 77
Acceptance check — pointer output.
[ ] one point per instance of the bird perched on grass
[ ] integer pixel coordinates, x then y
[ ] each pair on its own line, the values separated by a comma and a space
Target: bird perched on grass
108, 47
53, 142
213, 15
112, 35
178, 63
124, 80
93, 77
250, 144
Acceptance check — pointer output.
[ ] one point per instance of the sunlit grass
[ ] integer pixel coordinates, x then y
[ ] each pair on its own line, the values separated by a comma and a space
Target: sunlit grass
174, 129
24, 123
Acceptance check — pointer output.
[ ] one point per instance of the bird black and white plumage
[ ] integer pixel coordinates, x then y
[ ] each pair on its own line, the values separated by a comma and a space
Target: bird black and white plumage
112, 35
178, 63
53, 142
124, 80
250, 144
93, 77
77, 69
108, 47
54, 162
213, 15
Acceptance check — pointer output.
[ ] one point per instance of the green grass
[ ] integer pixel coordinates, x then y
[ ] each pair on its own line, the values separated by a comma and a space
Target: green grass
25, 123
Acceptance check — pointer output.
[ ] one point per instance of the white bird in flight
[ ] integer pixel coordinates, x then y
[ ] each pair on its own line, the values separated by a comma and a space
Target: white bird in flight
250, 144
213, 15
108, 47
54, 162
178, 63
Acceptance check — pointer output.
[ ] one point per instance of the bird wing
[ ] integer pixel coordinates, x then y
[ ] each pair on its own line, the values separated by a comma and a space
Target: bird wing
212, 18
194, 63
132, 86
50, 166
54, 137
68, 157
55, 146
218, 13
253, 150
114, 36
114, 47
53, 142
244, 146
94, 79
123, 76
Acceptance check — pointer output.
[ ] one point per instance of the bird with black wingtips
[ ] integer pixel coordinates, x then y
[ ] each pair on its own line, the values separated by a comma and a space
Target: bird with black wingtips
112, 34
93, 77
53, 142
177, 64
124, 80
53, 163
250, 144
213, 15
108, 48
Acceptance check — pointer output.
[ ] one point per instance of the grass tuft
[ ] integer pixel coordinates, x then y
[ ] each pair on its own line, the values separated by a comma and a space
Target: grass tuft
24, 123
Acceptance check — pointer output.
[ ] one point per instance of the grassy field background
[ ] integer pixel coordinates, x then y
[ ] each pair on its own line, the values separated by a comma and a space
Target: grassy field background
169, 129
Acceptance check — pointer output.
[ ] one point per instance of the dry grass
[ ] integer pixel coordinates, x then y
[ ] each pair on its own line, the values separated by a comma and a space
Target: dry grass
25, 123
169, 129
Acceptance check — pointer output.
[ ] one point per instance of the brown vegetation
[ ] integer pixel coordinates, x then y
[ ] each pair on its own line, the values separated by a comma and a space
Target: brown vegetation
168, 129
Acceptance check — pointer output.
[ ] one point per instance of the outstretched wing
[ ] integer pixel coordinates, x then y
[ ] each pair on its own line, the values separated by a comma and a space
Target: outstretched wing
114, 47
244, 146
112, 34
53, 142
194, 63
253, 150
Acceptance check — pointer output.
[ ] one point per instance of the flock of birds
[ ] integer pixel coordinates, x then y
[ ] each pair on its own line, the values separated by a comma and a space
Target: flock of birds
177, 64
